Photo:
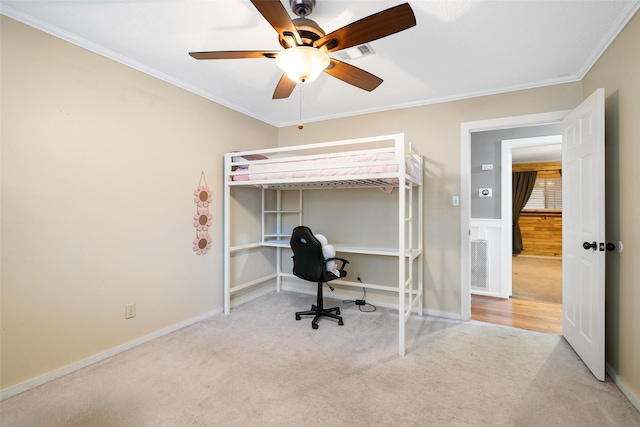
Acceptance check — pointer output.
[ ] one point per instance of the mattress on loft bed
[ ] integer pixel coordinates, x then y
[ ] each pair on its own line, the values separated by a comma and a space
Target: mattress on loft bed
340, 166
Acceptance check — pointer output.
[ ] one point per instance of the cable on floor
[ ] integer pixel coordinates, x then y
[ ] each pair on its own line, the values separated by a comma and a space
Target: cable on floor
362, 302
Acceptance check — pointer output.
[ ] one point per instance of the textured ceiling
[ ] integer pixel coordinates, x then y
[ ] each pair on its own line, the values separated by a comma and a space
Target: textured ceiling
458, 49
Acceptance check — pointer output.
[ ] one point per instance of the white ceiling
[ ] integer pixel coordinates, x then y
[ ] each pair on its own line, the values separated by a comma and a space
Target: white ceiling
458, 49
536, 154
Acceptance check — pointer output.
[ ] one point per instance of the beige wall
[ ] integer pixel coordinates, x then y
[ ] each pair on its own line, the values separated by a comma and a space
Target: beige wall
435, 130
99, 163
618, 71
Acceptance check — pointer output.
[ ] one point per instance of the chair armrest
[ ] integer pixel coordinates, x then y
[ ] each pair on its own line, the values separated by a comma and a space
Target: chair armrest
342, 260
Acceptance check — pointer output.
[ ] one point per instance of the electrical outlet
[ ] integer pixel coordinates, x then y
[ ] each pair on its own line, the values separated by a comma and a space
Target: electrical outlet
129, 311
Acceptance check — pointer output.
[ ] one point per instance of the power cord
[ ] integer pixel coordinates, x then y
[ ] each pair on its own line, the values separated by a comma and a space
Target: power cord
362, 302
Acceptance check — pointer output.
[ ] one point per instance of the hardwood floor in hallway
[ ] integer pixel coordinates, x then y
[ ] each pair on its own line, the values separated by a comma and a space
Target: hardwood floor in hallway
518, 313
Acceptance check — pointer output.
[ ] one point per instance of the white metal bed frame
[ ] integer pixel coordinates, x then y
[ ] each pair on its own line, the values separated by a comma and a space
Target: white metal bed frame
409, 251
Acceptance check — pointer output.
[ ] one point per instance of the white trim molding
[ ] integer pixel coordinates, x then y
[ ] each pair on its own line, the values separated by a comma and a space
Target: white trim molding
65, 370
623, 387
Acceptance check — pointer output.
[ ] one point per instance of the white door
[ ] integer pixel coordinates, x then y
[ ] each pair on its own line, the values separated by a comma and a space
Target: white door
583, 232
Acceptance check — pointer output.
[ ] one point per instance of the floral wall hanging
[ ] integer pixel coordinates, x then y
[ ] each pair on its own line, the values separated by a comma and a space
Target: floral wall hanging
202, 219
202, 194
202, 243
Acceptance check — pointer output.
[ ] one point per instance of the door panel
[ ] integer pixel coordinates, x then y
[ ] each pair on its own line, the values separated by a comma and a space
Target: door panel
583, 221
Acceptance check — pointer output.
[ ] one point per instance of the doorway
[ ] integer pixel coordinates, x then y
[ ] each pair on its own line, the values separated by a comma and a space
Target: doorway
540, 220
531, 292
467, 129
528, 292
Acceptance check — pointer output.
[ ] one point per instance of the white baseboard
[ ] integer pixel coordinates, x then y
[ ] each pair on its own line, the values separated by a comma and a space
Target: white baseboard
443, 314
243, 300
623, 388
338, 295
486, 293
50, 376
65, 370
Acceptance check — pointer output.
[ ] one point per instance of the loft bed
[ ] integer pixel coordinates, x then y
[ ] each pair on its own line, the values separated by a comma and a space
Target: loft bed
383, 162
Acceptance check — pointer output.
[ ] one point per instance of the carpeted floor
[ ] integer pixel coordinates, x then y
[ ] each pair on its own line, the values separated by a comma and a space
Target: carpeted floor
258, 366
537, 279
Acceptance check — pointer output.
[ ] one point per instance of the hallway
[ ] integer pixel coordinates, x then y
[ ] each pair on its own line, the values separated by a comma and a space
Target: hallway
536, 304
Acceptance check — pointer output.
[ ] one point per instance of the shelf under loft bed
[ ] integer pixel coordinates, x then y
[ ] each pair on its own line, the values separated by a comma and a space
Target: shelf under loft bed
349, 249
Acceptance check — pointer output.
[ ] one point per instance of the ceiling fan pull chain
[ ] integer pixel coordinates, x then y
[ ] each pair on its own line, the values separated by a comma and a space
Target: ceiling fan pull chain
300, 125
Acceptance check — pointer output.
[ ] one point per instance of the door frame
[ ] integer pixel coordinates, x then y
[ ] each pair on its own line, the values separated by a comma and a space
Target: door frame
506, 203
466, 129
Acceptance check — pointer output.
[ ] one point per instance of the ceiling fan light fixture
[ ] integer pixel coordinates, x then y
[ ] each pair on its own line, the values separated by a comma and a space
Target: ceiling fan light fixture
302, 64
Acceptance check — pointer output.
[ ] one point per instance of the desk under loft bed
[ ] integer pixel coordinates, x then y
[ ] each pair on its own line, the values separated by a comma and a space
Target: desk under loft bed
283, 175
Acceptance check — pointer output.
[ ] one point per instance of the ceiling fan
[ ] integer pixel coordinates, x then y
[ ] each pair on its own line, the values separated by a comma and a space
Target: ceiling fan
306, 45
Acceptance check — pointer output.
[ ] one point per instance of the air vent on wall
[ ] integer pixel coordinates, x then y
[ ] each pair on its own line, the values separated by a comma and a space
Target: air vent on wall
479, 264
355, 52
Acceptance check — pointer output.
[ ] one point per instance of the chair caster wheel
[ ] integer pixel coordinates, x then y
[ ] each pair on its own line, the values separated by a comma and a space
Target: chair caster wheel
297, 317
340, 323
338, 312
314, 326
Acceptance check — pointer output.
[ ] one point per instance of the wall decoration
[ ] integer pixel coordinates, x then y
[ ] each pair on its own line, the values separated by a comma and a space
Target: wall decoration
202, 194
202, 243
202, 219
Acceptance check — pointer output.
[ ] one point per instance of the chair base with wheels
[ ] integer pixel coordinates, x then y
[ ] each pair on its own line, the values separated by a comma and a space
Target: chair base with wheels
318, 311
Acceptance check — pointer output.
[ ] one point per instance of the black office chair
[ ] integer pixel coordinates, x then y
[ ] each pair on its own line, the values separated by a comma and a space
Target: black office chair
309, 264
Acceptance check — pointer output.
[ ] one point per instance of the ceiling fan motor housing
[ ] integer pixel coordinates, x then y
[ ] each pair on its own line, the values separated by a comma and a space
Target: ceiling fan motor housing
302, 8
309, 32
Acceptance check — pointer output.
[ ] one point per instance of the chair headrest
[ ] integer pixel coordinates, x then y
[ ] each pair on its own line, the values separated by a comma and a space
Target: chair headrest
303, 235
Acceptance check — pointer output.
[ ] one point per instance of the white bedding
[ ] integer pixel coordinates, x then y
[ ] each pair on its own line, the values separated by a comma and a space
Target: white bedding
325, 167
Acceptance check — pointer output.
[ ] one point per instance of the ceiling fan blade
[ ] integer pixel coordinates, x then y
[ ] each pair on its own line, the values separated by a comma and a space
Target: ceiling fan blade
234, 54
373, 27
275, 13
284, 88
353, 75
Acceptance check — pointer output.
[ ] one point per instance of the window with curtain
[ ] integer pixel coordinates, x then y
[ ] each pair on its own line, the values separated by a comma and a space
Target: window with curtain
546, 195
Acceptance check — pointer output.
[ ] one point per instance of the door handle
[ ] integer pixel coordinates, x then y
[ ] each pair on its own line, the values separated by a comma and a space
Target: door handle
592, 245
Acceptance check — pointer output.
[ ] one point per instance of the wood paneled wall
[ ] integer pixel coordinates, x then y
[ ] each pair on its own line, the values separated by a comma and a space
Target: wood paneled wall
541, 234
545, 169
541, 231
